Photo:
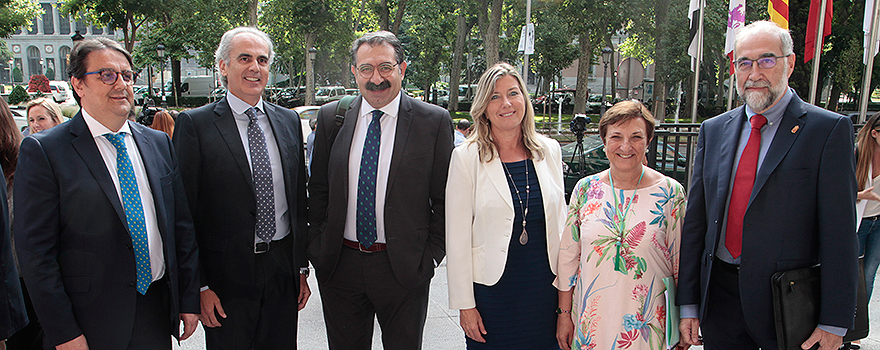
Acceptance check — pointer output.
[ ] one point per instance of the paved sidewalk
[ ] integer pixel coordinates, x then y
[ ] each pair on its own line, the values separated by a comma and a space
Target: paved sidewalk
442, 331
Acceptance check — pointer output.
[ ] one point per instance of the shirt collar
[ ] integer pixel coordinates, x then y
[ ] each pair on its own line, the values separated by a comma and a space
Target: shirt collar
98, 130
238, 105
390, 109
775, 113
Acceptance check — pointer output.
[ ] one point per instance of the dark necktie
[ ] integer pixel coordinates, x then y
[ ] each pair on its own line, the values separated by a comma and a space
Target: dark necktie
366, 199
262, 171
134, 212
743, 183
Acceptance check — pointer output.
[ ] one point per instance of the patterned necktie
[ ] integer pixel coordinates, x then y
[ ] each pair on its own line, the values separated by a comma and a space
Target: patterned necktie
366, 200
262, 171
134, 212
743, 183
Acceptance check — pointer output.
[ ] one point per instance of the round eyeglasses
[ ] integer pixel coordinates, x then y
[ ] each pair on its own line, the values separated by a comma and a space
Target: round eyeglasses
385, 70
744, 65
109, 76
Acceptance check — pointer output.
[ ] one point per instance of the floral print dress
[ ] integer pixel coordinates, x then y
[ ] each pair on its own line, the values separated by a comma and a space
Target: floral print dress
617, 247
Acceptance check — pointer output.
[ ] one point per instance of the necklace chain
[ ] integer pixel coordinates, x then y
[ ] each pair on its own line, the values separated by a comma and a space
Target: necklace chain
524, 237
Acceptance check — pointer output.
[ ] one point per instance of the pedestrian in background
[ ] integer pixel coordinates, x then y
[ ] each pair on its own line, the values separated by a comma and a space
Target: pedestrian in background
42, 114
462, 129
868, 180
162, 121
13, 311
505, 214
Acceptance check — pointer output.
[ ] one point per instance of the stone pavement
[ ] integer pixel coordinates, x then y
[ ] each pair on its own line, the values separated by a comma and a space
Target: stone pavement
442, 331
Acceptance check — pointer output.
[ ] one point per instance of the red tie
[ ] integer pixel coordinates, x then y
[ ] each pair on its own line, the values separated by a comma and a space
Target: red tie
743, 183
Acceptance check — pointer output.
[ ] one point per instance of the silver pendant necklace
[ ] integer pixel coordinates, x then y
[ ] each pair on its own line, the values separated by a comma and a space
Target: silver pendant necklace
524, 237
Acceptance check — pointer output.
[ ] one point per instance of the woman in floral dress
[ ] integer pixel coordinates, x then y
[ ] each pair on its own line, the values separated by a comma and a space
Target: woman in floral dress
621, 240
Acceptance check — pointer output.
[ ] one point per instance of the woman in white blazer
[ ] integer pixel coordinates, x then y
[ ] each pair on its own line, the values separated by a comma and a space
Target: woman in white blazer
505, 211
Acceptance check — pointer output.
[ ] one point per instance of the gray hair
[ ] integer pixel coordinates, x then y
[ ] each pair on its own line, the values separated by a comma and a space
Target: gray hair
77, 61
760, 28
378, 38
225, 47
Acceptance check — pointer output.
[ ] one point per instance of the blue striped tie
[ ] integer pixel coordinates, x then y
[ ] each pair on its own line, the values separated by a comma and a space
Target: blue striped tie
366, 200
134, 212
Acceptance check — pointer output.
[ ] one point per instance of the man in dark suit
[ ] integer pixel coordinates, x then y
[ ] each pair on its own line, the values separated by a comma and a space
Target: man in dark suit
773, 189
103, 232
377, 198
244, 173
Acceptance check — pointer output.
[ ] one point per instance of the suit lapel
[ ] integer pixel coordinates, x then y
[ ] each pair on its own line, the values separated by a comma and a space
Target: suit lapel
404, 122
85, 146
499, 180
727, 154
148, 151
225, 123
782, 141
282, 140
342, 148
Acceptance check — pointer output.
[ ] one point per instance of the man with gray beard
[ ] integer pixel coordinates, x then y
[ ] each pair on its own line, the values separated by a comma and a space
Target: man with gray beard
773, 189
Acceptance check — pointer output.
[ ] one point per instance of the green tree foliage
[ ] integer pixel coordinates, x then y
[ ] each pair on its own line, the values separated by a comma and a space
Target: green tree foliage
554, 50
127, 15
15, 14
18, 95
428, 36
17, 76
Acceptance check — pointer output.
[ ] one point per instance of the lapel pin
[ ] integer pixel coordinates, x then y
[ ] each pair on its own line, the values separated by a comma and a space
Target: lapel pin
795, 129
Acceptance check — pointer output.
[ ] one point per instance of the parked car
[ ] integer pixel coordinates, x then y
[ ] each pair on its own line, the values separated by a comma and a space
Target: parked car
141, 92
60, 91
353, 92
305, 114
290, 97
329, 94
594, 104
549, 102
218, 93
465, 97
672, 163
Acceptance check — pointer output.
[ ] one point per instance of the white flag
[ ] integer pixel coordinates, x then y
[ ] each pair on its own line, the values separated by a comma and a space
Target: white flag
736, 18
866, 27
694, 17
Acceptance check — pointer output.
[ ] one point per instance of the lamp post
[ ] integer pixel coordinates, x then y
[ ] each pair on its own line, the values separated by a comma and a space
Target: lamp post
76, 38
160, 49
310, 78
606, 57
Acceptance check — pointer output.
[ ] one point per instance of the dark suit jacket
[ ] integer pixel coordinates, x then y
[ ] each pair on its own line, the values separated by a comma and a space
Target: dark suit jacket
414, 199
13, 315
220, 189
801, 212
74, 246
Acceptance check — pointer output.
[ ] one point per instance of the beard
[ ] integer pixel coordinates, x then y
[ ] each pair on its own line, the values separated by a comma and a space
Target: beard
378, 87
759, 100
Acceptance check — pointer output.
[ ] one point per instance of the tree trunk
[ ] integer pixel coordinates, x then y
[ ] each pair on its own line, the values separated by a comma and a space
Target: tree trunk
382, 12
310, 70
175, 78
490, 24
659, 101
833, 97
661, 10
461, 30
252, 12
398, 17
583, 73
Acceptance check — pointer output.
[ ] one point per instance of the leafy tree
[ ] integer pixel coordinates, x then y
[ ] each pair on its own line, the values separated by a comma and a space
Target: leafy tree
15, 14
554, 50
489, 19
50, 73
428, 36
17, 75
18, 95
127, 15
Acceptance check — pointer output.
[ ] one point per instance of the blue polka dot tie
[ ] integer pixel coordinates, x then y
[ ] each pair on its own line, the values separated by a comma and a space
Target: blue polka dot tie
366, 200
134, 212
262, 172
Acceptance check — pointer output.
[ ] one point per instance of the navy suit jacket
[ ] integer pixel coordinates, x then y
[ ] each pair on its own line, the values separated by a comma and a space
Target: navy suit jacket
220, 189
414, 198
74, 246
801, 212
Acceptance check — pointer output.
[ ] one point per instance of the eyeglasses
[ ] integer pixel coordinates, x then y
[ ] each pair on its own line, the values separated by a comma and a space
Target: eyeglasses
744, 65
385, 69
108, 76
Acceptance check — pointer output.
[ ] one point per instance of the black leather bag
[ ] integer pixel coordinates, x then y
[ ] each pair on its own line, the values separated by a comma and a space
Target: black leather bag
796, 304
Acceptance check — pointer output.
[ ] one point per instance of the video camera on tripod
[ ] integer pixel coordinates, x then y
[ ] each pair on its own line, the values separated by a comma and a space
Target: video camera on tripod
578, 126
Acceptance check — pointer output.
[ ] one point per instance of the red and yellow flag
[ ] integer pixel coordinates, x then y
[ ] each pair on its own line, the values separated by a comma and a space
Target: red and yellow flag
778, 10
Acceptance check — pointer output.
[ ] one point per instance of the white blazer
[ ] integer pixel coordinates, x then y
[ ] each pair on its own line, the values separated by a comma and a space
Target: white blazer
479, 217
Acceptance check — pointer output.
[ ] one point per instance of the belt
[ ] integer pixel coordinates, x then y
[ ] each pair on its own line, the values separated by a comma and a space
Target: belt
727, 267
262, 247
376, 247
872, 218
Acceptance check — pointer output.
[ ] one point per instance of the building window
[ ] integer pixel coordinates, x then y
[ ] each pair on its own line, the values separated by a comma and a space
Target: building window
81, 26
33, 28
63, 24
97, 30
62, 66
109, 31
33, 55
48, 19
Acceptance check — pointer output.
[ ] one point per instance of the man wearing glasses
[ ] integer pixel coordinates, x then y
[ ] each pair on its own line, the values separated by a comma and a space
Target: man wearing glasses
243, 167
377, 203
773, 189
103, 232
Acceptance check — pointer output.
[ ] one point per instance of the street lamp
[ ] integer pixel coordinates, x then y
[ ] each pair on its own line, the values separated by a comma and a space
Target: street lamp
160, 49
310, 77
76, 38
606, 57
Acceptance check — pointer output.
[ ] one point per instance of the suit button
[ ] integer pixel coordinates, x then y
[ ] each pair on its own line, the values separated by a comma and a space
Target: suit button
253, 214
131, 284
128, 245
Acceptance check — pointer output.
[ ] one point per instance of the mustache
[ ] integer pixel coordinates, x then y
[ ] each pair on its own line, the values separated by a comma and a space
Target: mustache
378, 87
760, 83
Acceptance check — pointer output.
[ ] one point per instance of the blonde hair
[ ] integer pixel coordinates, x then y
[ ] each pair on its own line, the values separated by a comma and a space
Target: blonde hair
483, 127
49, 105
865, 150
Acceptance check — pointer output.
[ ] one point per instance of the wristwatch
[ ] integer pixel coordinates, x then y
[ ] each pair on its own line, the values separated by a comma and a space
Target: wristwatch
304, 271
561, 311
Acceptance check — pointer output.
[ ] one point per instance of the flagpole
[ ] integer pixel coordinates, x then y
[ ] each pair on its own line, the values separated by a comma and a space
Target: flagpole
869, 67
817, 52
699, 58
730, 89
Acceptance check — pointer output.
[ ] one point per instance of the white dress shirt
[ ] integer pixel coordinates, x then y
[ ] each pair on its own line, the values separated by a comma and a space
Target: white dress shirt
282, 225
108, 153
388, 127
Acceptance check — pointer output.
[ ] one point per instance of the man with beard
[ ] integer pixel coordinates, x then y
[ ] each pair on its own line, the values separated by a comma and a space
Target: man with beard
376, 205
773, 189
